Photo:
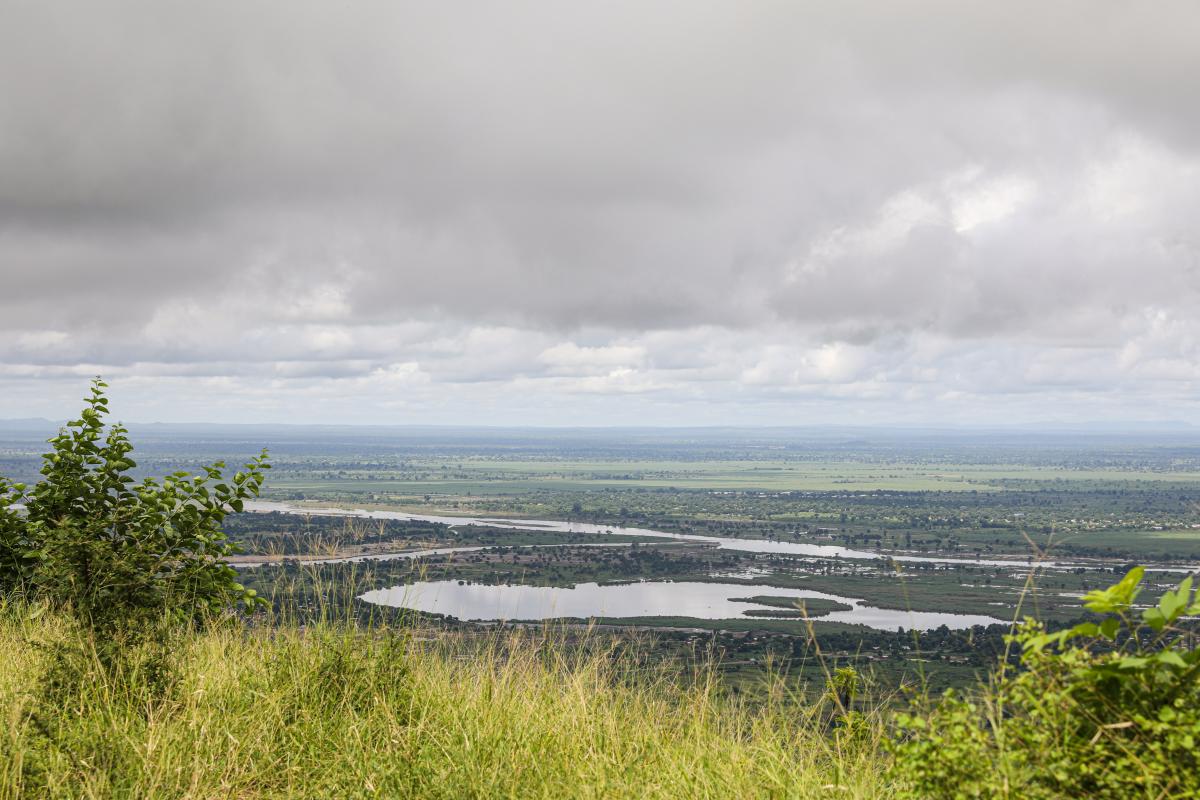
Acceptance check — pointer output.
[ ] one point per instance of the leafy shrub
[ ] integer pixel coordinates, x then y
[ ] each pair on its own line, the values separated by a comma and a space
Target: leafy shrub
121, 554
1104, 709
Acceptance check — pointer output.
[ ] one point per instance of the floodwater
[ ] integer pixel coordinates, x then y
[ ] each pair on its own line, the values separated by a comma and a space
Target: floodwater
724, 543
479, 602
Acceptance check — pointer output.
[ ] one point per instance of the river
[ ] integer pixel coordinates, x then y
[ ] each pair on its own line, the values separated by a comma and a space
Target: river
566, 526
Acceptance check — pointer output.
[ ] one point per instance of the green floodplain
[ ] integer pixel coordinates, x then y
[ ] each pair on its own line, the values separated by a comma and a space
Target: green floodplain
1017, 499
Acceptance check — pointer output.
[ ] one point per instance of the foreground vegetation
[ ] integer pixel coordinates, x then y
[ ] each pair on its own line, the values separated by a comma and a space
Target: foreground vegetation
329, 711
1109, 709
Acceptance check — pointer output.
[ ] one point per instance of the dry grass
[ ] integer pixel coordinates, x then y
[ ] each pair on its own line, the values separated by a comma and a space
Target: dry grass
331, 711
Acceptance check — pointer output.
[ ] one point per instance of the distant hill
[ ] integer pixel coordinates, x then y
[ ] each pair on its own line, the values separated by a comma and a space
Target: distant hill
29, 424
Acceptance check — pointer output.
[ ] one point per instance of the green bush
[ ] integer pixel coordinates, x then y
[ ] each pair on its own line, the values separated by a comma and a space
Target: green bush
121, 555
1107, 709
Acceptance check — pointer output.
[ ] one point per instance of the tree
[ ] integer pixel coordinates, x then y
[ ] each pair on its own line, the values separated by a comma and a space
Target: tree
117, 553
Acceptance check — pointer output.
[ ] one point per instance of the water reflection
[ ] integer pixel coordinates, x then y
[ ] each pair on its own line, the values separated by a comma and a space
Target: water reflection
479, 602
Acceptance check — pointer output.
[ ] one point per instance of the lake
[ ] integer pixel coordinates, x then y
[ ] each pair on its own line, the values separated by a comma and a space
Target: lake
701, 600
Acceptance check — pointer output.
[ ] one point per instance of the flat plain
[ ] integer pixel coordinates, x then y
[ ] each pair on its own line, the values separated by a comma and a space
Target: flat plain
1000, 525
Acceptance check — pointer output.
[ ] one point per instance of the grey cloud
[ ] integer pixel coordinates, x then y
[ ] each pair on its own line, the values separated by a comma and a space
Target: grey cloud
632, 165
388, 192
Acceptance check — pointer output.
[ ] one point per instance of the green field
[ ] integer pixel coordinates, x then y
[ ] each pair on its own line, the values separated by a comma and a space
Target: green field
475, 477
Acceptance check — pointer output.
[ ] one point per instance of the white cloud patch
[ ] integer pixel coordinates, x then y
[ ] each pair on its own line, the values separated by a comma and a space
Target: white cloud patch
974, 202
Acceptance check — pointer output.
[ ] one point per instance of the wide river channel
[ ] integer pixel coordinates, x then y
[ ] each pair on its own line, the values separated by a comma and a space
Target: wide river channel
566, 526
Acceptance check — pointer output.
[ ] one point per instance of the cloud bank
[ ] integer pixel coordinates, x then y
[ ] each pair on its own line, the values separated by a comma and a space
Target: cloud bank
548, 213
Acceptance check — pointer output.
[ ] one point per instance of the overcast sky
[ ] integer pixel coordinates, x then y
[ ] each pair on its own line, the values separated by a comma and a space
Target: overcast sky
607, 213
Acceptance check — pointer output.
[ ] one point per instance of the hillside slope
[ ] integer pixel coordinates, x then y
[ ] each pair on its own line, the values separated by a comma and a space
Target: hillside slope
331, 712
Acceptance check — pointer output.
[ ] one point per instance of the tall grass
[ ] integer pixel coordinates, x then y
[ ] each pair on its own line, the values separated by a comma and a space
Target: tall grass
331, 710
